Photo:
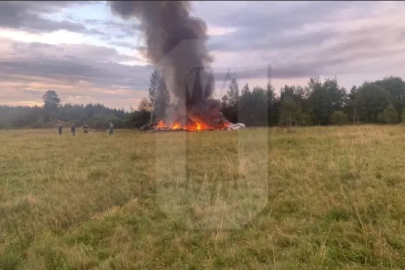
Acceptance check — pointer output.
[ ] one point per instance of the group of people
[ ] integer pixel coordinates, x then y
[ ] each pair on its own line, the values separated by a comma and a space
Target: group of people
85, 129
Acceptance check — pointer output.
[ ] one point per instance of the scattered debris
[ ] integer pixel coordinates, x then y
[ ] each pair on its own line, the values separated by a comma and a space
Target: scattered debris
236, 126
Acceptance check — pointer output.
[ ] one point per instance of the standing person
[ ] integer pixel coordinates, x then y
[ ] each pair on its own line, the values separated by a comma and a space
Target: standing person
86, 129
60, 129
111, 130
73, 129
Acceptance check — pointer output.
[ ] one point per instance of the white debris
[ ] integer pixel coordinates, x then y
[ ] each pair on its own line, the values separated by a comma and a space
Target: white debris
236, 126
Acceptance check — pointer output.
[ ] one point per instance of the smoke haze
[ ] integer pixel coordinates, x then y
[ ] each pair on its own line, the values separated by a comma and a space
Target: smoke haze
176, 46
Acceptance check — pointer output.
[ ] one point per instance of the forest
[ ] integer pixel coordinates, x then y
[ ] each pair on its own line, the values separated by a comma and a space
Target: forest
320, 102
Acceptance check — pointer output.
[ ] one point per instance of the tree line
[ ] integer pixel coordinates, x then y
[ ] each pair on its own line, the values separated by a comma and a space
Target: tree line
95, 115
320, 102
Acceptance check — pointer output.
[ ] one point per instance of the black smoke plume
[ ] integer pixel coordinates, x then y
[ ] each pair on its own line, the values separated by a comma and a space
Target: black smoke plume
176, 47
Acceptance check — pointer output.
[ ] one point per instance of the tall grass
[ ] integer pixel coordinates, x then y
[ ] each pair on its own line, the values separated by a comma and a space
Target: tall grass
314, 198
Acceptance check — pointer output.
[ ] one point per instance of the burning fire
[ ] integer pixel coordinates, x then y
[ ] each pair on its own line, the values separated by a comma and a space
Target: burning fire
196, 126
176, 126
161, 125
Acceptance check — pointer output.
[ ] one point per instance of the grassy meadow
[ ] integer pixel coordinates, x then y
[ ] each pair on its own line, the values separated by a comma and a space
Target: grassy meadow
313, 198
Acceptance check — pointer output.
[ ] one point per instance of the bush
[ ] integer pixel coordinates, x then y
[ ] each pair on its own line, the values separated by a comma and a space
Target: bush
380, 118
403, 117
138, 119
339, 118
118, 123
389, 115
102, 121
305, 119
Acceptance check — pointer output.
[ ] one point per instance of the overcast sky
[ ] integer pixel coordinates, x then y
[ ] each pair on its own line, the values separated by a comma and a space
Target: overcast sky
86, 54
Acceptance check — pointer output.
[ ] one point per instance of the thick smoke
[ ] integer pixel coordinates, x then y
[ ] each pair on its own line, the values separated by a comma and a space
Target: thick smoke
176, 47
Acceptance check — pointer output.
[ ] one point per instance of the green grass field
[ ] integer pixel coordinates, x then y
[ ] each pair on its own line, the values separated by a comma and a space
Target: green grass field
314, 198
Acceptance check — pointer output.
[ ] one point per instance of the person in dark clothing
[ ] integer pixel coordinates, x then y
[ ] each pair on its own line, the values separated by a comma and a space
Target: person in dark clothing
73, 129
111, 130
86, 129
60, 129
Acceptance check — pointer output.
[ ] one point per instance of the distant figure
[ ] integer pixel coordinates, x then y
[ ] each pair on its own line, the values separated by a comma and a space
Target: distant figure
86, 129
60, 129
73, 129
111, 130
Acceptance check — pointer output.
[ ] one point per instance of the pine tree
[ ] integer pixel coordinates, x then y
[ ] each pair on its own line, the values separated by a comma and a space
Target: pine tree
162, 100
153, 91
233, 93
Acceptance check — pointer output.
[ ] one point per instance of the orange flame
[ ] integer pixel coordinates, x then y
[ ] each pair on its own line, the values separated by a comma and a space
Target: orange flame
196, 126
161, 124
176, 126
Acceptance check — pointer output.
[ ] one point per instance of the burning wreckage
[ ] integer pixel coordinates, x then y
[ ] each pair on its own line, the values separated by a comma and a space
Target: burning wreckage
175, 45
196, 126
205, 114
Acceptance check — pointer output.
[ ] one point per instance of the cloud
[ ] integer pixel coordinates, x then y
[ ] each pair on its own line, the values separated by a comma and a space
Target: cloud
77, 52
129, 29
352, 40
35, 17
26, 15
307, 38
76, 71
